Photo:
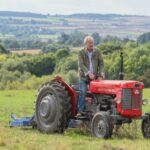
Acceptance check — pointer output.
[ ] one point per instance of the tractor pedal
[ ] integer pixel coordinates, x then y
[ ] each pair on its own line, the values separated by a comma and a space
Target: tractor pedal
81, 116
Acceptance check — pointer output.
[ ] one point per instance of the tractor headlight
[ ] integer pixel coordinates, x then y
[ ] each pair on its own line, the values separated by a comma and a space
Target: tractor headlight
144, 102
118, 101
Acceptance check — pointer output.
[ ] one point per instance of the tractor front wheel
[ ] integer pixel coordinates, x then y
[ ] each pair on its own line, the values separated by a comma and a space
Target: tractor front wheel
101, 126
146, 127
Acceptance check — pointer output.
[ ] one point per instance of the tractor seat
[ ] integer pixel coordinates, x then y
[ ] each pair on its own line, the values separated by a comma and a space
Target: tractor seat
75, 87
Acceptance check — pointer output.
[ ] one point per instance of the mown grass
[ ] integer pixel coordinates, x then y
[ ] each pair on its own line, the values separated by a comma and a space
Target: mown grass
25, 138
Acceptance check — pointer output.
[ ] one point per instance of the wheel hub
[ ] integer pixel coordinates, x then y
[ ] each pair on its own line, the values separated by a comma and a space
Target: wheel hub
101, 127
46, 106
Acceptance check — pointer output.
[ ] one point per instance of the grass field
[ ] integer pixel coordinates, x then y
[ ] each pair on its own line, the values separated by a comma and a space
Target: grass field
22, 102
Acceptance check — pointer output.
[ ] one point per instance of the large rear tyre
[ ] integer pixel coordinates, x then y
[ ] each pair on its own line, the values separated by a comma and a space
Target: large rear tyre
102, 126
146, 127
53, 108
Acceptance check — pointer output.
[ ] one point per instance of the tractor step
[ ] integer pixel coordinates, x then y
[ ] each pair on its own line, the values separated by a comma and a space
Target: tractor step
83, 117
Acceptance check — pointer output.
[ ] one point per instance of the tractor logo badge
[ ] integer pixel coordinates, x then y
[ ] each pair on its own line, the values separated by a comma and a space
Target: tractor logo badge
136, 92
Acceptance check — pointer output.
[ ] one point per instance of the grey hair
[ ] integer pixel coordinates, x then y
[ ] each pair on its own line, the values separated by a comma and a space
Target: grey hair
87, 38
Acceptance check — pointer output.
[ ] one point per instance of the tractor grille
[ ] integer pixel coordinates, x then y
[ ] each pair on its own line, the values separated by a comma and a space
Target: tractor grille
131, 101
126, 99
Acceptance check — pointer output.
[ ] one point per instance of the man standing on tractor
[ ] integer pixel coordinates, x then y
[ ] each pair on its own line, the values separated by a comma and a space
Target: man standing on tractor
91, 66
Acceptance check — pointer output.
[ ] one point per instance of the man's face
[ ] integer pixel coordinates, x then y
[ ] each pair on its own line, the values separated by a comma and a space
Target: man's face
89, 45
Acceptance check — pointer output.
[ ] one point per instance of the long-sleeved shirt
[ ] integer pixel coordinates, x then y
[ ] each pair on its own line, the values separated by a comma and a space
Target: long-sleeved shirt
90, 61
84, 63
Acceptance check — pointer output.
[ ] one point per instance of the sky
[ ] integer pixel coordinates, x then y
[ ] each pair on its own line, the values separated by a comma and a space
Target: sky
132, 7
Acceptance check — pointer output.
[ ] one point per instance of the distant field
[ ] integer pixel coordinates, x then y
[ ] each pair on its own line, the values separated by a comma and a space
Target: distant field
27, 51
131, 33
22, 104
120, 26
48, 36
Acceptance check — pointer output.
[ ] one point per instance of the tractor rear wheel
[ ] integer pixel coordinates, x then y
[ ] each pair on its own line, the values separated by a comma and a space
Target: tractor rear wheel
102, 126
53, 108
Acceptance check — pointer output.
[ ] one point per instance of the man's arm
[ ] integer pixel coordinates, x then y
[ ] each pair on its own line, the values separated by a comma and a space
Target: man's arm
81, 64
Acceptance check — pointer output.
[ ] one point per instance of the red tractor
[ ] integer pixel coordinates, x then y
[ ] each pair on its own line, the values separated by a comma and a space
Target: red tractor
108, 103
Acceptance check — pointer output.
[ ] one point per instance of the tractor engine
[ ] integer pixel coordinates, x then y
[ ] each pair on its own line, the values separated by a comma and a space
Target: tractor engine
98, 102
120, 97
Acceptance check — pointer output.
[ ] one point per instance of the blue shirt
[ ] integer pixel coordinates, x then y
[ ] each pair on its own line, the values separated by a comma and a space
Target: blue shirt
90, 61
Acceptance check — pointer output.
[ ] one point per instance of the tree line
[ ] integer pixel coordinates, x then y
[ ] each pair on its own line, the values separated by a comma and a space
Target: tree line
74, 39
27, 71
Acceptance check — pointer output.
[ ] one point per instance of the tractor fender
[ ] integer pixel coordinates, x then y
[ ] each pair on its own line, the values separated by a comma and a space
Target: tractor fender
72, 93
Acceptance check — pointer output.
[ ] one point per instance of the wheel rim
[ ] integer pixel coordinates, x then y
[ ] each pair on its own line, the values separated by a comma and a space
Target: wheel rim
47, 110
99, 128
45, 106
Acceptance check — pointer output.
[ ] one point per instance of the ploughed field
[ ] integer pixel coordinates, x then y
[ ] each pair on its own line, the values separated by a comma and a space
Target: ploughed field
21, 103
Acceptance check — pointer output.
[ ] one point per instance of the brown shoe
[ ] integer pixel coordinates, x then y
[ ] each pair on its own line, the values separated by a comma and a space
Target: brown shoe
82, 113
79, 114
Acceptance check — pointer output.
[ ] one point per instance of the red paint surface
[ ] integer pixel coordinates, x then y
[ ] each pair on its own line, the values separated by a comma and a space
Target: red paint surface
113, 87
